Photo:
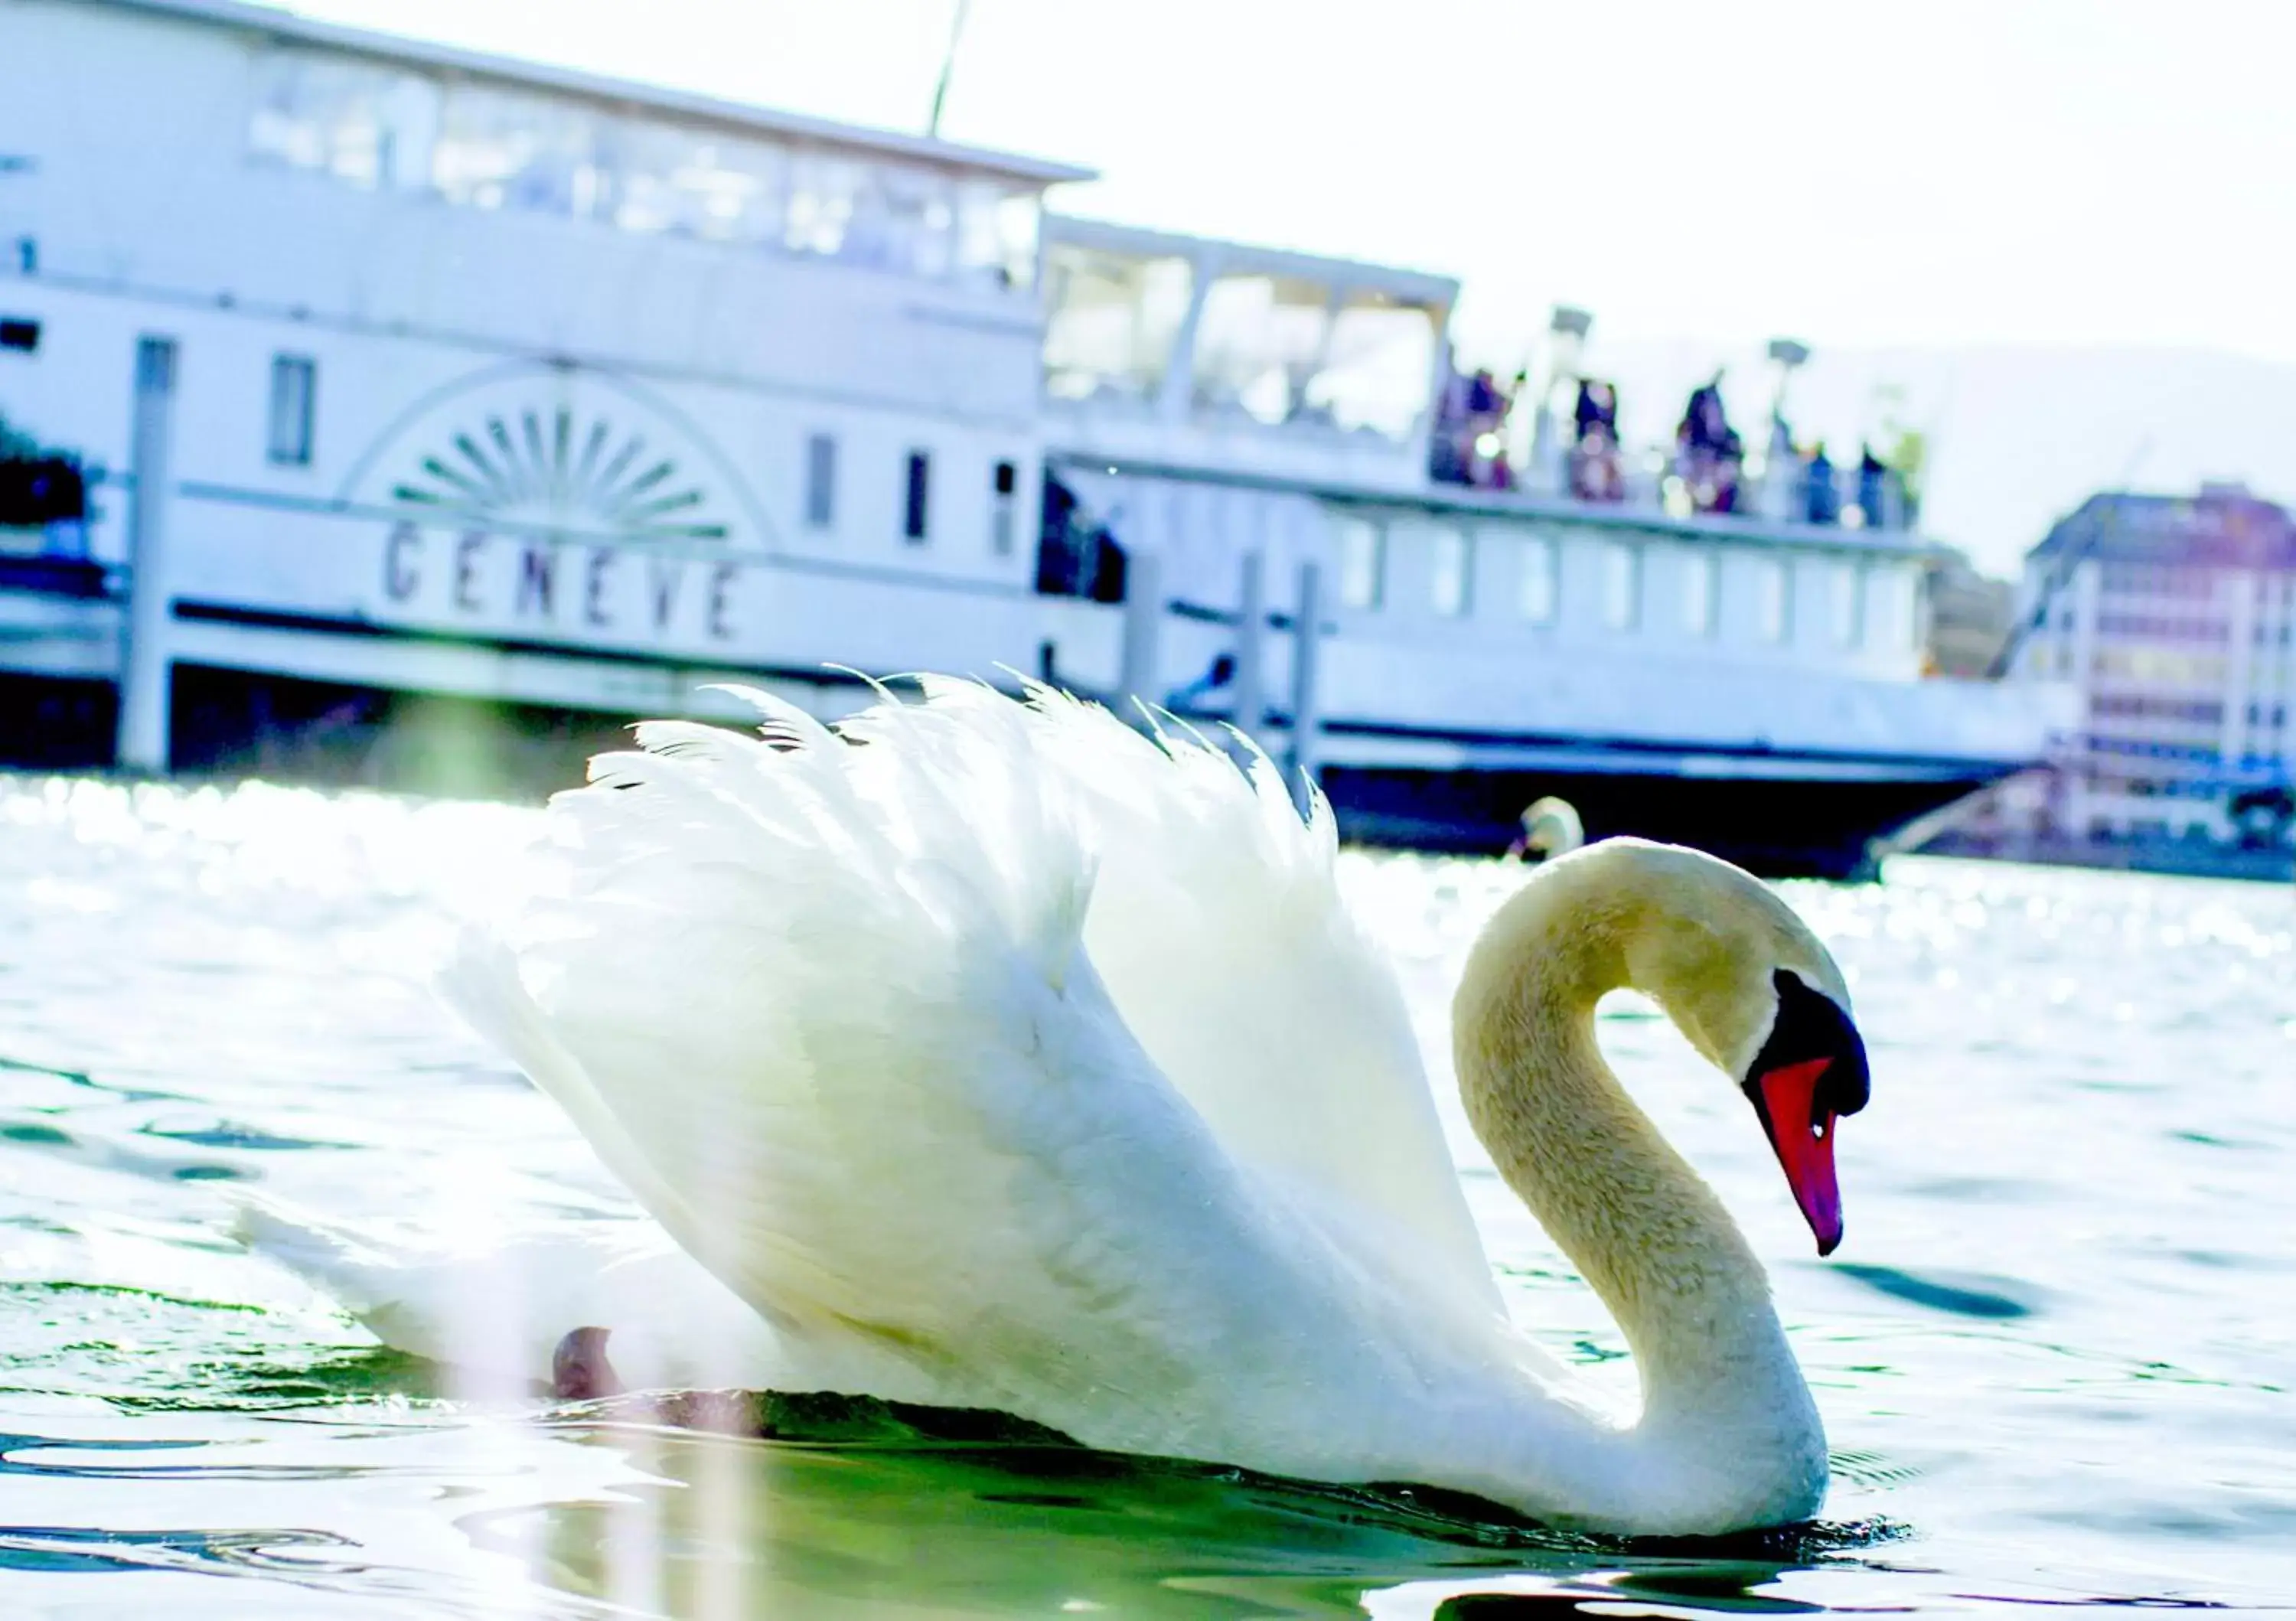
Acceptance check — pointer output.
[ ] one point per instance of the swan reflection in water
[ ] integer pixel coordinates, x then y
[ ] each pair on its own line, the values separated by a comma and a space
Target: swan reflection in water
729, 1526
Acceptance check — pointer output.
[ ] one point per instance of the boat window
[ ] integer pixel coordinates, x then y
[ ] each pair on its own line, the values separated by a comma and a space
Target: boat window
920, 219
1114, 320
1363, 563
1893, 608
1380, 367
503, 149
1450, 582
1772, 609
1845, 587
717, 187
1003, 484
996, 227
1004, 515
913, 518
1535, 592
1700, 578
900, 217
1259, 341
363, 123
1622, 584
885, 216
822, 191
294, 388
821, 481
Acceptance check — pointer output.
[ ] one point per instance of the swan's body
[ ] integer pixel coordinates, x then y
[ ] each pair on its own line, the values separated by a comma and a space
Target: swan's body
1010, 1060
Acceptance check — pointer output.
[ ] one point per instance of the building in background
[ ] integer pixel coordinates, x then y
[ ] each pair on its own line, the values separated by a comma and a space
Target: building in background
1970, 617
2172, 617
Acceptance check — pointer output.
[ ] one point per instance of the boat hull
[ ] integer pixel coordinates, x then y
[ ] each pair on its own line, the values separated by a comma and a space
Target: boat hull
1783, 822
1775, 825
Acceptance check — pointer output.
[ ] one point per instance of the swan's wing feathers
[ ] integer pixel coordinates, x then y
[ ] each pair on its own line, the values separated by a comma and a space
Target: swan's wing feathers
1219, 929
824, 1005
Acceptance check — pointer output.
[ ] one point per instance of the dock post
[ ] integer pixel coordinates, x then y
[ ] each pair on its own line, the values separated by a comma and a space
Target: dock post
1306, 637
1144, 622
141, 742
1248, 711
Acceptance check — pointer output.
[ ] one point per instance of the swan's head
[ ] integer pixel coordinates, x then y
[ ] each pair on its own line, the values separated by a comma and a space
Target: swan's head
1761, 997
1551, 828
1751, 987
1808, 1073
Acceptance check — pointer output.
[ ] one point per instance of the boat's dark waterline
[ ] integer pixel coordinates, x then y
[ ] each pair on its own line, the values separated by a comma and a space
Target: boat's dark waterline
230, 723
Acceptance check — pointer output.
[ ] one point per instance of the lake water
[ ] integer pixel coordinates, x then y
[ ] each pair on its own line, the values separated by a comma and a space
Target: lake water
2054, 1354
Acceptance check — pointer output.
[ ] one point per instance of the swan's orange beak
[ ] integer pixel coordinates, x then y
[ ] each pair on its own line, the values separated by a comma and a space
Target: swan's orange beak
1801, 1131
1809, 1073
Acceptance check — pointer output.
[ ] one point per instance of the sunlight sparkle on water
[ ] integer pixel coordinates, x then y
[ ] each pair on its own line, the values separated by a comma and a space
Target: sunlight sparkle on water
2052, 1354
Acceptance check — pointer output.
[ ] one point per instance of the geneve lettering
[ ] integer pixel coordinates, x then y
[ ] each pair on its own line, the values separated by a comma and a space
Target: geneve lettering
565, 585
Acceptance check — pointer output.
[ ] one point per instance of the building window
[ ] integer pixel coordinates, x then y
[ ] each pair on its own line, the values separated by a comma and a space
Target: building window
1004, 483
914, 513
1771, 606
1622, 586
1535, 592
294, 389
1363, 563
1451, 582
821, 481
1699, 570
1845, 585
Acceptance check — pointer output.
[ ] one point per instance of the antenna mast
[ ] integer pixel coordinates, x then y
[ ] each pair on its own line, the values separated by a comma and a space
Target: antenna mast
947, 67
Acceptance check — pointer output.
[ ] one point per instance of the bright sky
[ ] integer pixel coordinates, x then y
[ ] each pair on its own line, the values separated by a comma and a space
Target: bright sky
1918, 174
2073, 171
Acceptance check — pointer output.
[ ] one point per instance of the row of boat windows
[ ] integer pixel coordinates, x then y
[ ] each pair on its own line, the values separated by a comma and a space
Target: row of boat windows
480, 145
1852, 593
291, 442
1128, 328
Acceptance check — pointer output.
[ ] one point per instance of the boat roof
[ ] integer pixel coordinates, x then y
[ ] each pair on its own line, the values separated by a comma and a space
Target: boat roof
276, 22
1234, 256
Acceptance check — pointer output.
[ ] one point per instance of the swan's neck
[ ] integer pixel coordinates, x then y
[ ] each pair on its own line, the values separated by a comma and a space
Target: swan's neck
1647, 1232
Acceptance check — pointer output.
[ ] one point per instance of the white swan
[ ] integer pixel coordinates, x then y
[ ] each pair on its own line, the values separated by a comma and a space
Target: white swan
1550, 828
1000, 1057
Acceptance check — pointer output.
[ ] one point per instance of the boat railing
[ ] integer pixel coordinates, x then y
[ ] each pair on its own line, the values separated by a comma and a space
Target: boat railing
1678, 482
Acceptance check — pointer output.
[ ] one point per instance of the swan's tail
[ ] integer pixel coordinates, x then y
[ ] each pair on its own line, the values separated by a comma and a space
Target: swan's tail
493, 1311
326, 1256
